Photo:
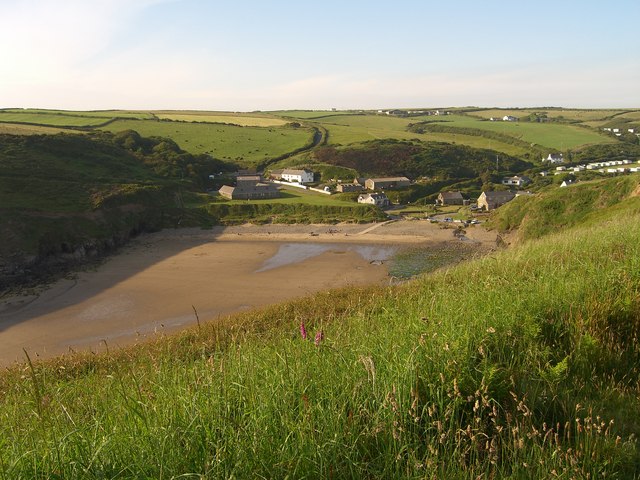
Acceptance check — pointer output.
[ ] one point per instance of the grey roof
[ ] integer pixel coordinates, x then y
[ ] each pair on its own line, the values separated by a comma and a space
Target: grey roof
451, 195
246, 186
249, 178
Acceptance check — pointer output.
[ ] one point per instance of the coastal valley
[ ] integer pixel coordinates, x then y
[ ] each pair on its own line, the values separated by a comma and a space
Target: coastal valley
397, 293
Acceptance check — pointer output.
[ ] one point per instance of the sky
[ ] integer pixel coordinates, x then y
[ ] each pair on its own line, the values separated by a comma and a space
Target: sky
246, 55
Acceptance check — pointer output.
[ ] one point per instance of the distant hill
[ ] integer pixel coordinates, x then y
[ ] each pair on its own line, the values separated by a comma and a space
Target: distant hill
262, 138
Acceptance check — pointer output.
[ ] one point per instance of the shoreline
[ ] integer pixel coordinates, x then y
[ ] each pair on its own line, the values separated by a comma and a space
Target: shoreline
154, 283
392, 231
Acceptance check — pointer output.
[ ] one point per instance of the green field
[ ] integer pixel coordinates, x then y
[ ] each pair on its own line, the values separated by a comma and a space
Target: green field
84, 113
21, 129
245, 145
244, 119
635, 115
51, 119
570, 114
350, 129
310, 114
551, 135
345, 130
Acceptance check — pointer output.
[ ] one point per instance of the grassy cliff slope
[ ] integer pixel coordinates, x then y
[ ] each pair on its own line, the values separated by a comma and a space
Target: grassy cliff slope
523, 364
66, 197
584, 203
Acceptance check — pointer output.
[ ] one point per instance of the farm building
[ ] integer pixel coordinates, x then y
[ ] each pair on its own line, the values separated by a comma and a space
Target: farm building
297, 176
509, 118
386, 183
349, 187
377, 199
517, 181
491, 200
249, 187
450, 198
250, 178
276, 174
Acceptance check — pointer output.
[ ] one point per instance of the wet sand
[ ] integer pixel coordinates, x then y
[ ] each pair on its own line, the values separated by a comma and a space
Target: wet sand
151, 286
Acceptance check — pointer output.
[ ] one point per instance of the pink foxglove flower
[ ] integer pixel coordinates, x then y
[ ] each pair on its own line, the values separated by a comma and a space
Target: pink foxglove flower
303, 331
319, 337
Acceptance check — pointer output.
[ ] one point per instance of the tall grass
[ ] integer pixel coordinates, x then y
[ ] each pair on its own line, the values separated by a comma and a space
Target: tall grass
523, 364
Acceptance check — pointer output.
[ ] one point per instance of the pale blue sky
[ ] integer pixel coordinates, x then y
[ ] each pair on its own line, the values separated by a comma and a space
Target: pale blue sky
280, 54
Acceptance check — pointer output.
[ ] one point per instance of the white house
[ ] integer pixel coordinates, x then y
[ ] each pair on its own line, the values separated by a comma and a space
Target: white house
509, 118
516, 181
297, 176
554, 158
377, 199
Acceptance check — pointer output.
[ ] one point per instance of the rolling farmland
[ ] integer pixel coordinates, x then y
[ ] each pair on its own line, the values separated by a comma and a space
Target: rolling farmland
247, 145
251, 138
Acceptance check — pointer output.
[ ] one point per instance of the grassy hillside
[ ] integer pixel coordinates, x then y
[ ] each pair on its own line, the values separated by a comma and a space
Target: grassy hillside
417, 159
66, 197
243, 145
584, 203
523, 364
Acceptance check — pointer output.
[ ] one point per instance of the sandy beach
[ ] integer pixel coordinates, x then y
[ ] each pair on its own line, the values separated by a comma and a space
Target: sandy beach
153, 284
